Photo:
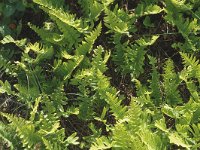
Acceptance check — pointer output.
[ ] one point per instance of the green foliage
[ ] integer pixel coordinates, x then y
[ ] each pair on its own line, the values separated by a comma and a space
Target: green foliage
171, 82
187, 27
53, 10
102, 75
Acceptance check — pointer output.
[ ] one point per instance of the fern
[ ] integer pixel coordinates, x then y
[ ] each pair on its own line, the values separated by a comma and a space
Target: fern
114, 23
46, 36
181, 135
69, 37
6, 88
95, 79
98, 61
191, 71
115, 106
25, 130
66, 82
91, 9
171, 82
6, 136
6, 67
133, 133
63, 16
187, 27
65, 69
86, 45
101, 144
132, 59
43, 52
192, 65
147, 9
155, 83
8, 39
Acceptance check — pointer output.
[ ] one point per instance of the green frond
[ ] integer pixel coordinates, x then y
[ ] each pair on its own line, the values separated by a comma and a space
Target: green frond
178, 5
42, 51
117, 109
134, 133
188, 27
129, 58
6, 88
70, 35
192, 65
155, 83
171, 83
175, 138
72, 139
144, 9
8, 39
101, 144
134, 117
65, 69
151, 140
24, 129
193, 89
35, 108
190, 61
114, 23
123, 138
147, 41
62, 15
46, 36
91, 8
86, 46
6, 66
86, 6
7, 137
98, 61
134, 59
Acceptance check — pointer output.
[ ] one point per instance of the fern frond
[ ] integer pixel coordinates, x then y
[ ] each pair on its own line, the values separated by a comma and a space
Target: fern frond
43, 52
134, 133
70, 35
24, 129
98, 61
134, 59
64, 69
155, 83
101, 144
6, 136
188, 27
171, 83
59, 13
35, 107
175, 138
6, 66
133, 116
130, 58
6, 88
114, 23
190, 61
46, 36
91, 8
144, 9
193, 90
87, 45
192, 65
152, 141
118, 110
147, 41
8, 39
